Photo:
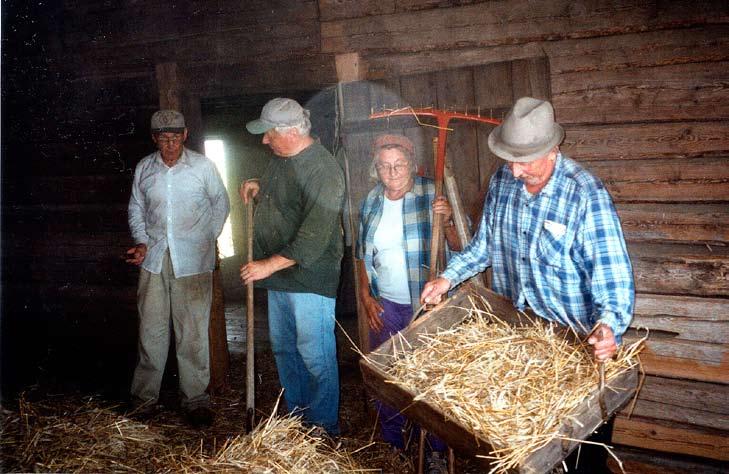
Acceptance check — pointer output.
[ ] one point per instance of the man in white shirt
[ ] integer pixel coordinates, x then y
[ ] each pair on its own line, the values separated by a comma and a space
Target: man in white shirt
177, 210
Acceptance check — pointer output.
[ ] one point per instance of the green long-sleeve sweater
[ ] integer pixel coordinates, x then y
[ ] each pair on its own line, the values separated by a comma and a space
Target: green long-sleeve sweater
298, 216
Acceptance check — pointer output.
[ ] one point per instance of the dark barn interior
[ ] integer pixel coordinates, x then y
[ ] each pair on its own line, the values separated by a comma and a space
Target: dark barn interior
641, 88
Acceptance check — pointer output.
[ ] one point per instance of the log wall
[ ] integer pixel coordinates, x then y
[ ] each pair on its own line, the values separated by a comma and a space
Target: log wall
642, 88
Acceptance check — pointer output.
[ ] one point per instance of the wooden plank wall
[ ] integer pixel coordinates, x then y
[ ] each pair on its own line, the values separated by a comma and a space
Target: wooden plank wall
69, 145
643, 91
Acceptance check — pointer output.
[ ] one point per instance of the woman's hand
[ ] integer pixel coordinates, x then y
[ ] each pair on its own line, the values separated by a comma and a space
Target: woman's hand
442, 207
373, 310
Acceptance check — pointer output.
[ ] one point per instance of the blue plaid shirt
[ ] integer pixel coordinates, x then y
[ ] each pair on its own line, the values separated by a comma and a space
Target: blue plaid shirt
417, 210
561, 252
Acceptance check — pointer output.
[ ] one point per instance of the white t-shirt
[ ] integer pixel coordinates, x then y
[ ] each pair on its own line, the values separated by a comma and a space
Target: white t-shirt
389, 254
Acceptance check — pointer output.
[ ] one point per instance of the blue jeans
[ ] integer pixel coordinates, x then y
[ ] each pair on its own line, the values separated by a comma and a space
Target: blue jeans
301, 328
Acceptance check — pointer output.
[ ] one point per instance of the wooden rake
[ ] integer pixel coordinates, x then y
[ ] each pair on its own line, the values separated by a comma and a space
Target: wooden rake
443, 118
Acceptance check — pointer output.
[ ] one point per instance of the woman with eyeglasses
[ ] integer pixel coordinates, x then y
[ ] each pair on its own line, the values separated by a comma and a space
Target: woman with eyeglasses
393, 255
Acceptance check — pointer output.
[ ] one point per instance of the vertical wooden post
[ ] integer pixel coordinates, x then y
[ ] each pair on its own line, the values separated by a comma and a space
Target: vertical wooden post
192, 110
351, 68
171, 96
218, 336
168, 86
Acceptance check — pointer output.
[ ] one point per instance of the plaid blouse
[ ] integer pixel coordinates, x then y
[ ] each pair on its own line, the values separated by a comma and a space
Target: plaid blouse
561, 252
417, 210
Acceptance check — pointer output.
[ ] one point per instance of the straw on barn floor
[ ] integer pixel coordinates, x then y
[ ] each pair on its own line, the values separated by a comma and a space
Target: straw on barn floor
63, 434
71, 435
277, 444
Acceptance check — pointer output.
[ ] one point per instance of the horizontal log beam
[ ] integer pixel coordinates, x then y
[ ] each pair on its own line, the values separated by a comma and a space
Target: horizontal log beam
671, 437
300, 72
691, 223
691, 270
684, 317
687, 180
707, 43
694, 91
135, 26
642, 141
676, 358
634, 460
516, 22
682, 401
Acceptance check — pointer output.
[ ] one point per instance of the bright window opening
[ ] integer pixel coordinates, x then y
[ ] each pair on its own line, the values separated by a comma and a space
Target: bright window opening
215, 150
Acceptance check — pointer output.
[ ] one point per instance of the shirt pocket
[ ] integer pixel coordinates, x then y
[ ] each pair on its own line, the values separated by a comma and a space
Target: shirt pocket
551, 249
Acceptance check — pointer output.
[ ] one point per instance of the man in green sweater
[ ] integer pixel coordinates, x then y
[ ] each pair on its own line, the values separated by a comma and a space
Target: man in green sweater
297, 256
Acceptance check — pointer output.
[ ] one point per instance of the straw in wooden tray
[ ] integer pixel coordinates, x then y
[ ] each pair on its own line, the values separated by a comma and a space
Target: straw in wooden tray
511, 385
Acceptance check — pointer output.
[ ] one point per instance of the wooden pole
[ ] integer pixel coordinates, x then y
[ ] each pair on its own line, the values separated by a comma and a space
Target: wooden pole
250, 333
218, 337
363, 328
459, 219
436, 234
459, 216
421, 450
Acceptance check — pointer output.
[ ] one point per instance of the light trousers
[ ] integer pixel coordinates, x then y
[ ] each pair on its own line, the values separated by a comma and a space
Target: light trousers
187, 302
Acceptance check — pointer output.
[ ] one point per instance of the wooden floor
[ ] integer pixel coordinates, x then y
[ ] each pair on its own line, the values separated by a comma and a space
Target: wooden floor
235, 323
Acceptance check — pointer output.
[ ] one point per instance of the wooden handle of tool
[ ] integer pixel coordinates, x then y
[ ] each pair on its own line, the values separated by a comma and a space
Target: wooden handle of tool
250, 324
436, 234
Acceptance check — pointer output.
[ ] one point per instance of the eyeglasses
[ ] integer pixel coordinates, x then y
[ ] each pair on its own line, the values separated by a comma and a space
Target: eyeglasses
396, 169
169, 140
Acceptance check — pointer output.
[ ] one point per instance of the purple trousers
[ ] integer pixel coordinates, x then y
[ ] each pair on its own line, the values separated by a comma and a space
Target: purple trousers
396, 317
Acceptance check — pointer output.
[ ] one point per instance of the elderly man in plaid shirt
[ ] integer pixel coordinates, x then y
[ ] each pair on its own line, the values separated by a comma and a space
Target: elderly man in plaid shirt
550, 233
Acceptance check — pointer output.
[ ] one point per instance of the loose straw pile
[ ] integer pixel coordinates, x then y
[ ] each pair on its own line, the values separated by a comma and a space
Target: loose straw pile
276, 445
510, 385
63, 436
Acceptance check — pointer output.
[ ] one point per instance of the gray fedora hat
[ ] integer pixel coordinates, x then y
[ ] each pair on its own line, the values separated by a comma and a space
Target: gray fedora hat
528, 132
278, 112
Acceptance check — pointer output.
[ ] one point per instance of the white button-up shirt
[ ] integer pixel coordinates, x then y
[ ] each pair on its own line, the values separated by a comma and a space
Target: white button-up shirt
182, 208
